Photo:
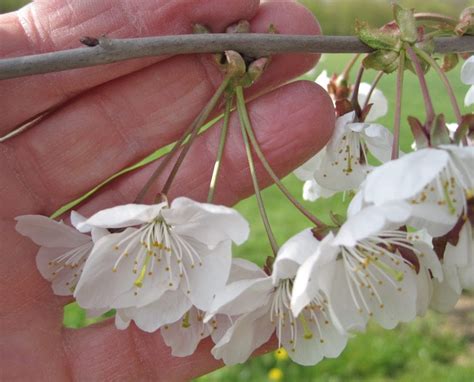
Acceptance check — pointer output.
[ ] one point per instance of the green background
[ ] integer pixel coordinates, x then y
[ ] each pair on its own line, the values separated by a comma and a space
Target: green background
433, 348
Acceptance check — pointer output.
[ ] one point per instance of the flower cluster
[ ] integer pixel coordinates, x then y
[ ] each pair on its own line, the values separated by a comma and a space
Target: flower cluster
406, 245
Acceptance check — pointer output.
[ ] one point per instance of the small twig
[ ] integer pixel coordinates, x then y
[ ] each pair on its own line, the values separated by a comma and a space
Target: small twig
253, 45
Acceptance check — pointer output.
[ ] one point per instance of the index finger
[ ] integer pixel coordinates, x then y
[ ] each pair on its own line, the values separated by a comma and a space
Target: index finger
49, 25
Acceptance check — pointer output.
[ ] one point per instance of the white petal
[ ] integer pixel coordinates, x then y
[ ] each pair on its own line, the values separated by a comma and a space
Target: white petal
210, 277
248, 333
371, 220
241, 297
76, 219
444, 296
292, 254
124, 216
312, 191
323, 80
403, 178
310, 275
100, 286
326, 341
469, 99
467, 71
184, 339
122, 321
208, 223
341, 304
379, 141
460, 255
306, 171
424, 292
380, 104
462, 158
98, 233
167, 309
466, 277
242, 269
49, 233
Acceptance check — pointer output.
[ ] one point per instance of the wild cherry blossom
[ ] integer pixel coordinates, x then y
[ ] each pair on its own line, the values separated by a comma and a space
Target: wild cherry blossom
178, 254
262, 305
63, 249
467, 77
184, 335
434, 181
362, 271
343, 164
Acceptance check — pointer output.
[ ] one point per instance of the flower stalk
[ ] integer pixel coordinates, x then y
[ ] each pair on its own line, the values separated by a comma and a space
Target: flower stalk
398, 108
248, 128
192, 131
220, 150
253, 174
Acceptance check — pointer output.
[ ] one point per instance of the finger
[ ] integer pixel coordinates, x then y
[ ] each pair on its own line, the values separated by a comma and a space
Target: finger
307, 109
117, 124
136, 356
291, 124
45, 26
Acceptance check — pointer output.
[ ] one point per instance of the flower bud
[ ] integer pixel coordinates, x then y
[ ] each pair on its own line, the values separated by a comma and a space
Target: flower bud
243, 26
257, 68
378, 38
200, 29
450, 61
384, 60
466, 22
235, 64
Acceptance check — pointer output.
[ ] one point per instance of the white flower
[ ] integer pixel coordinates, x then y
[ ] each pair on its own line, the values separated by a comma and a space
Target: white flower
342, 164
184, 335
467, 77
185, 248
433, 181
263, 306
362, 271
63, 249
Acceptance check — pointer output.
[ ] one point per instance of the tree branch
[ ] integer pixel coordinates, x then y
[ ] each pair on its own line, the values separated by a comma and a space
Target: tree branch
256, 45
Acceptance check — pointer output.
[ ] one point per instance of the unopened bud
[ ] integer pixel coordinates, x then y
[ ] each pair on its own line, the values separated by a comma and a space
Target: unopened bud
378, 38
406, 22
466, 22
257, 68
235, 64
200, 29
382, 60
450, 61
243, 26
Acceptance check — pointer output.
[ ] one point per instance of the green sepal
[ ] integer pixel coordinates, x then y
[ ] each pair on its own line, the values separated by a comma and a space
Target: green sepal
450, 61
377, 38
465, 129
419, 133
382, 60
439, 134
406, 21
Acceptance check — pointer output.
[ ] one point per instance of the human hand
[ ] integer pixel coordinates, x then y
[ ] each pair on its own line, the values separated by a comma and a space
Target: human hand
113, 116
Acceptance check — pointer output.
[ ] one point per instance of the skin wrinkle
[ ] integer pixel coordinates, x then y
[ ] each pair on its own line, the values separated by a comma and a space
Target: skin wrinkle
114, 24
